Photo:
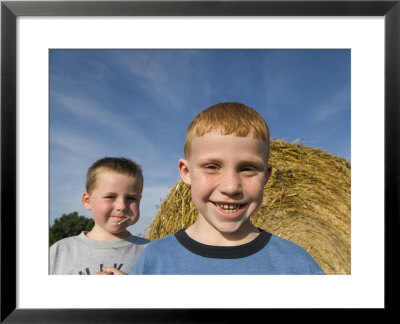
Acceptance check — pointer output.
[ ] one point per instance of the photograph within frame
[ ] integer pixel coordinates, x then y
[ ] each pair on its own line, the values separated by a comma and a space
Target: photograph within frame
144, 111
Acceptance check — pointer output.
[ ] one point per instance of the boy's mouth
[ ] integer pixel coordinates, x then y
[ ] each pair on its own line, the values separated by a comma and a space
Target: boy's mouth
120, 217
229, 207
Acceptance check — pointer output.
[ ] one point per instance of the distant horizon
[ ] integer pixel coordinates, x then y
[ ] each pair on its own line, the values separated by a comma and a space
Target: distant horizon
138, 104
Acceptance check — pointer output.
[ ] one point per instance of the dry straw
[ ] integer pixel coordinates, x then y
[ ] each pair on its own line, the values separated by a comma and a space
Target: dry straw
307, 200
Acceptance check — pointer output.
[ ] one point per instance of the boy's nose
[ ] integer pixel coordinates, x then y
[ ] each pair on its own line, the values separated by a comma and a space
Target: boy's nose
230, 183
120, 204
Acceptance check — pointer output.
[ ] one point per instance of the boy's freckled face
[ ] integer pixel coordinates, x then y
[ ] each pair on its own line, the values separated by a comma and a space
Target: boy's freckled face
227, 175
114, 198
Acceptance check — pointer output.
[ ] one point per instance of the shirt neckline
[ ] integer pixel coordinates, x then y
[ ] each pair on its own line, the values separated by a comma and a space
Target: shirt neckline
106, 244
223, 252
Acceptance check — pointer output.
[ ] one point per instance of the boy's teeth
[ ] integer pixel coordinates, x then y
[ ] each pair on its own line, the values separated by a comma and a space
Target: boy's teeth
228, 207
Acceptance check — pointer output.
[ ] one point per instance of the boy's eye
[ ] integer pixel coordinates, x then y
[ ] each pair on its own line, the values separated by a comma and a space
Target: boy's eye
249, 169
211, 167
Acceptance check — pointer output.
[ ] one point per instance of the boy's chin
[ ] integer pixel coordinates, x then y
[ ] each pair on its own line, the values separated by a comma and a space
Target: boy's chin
121, 233
235, 229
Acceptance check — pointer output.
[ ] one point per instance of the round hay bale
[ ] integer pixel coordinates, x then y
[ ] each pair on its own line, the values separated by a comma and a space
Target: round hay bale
307, 201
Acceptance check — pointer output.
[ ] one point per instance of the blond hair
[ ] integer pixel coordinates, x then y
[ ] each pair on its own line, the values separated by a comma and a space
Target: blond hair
118, 165
228, 118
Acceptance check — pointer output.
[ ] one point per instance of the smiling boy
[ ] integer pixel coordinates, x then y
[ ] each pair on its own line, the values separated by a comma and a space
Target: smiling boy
113, 192
226, 165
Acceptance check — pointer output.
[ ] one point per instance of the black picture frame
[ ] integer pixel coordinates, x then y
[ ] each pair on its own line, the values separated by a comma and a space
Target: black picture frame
10, 10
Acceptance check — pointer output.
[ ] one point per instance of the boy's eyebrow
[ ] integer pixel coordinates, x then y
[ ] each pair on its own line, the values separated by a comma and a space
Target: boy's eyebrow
128, 194
206, 160
209, 159
134, 194
258, 162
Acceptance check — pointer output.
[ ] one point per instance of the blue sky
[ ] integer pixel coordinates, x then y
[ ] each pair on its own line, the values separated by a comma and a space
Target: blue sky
138, 104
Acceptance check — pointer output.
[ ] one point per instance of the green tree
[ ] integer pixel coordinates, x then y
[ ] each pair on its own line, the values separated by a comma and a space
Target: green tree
69, 225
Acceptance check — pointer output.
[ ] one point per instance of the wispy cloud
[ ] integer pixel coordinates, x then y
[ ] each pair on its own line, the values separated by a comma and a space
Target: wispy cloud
93, 111
104, 121
170, 78
73, 146
337, 103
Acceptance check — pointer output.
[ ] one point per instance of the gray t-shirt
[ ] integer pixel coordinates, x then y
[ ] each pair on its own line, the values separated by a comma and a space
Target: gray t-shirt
80, 255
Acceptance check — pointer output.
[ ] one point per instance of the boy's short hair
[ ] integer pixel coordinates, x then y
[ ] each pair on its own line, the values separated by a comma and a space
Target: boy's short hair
118, 165
228, 118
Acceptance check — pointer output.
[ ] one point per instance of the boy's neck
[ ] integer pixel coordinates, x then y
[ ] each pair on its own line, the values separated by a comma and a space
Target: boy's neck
100, 235
206, 234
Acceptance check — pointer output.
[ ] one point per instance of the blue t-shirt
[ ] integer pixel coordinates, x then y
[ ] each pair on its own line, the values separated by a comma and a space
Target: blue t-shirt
266, 254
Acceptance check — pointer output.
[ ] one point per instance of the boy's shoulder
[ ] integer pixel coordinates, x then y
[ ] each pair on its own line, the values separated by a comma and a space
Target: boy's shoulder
82, 239
168, 241
164, 247
290, 255
67, 241
137, 239
282, 245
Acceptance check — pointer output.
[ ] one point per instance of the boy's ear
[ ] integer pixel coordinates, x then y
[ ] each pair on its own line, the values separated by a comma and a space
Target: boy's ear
183, 167
86, 201
267, 173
